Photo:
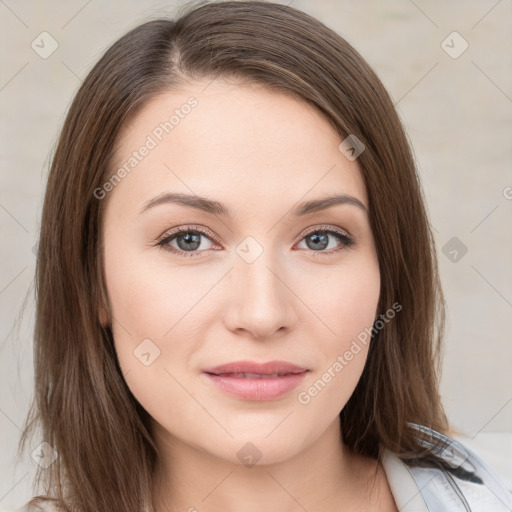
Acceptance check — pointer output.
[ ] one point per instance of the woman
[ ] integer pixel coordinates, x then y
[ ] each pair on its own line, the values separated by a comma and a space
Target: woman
237, 297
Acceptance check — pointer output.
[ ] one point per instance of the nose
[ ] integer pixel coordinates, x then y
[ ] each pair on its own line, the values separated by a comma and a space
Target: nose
261, 301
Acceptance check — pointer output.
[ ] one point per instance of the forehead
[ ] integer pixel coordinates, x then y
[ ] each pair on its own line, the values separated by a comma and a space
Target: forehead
241, 144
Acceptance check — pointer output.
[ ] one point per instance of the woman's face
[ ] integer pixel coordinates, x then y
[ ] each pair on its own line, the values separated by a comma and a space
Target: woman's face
260, 282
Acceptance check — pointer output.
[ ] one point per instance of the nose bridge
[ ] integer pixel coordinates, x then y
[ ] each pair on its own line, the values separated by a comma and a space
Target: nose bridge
260, 300
261, 277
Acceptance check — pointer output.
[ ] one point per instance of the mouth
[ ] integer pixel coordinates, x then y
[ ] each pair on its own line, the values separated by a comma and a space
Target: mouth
246, 375
252, 369
255, 381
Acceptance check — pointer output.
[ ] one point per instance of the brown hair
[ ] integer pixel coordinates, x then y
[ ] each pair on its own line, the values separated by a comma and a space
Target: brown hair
106, 453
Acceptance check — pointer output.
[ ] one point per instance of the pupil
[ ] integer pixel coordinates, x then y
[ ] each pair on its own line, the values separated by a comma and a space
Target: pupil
192, 241
321, 239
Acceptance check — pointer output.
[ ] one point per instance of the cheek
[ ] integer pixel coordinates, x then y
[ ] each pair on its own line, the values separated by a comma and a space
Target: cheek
148, 295
354, 305
156, 313
345, 300
145, 308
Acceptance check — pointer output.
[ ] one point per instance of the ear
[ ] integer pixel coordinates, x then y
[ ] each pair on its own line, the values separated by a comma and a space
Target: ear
104, 317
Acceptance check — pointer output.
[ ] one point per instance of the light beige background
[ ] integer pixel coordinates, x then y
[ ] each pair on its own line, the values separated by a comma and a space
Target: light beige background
458, 114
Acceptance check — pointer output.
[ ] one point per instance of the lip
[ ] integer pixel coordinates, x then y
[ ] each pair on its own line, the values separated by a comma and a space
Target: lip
267, 368
261, 383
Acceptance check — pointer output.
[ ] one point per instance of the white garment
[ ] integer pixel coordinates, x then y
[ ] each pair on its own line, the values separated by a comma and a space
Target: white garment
403, 487
459, 482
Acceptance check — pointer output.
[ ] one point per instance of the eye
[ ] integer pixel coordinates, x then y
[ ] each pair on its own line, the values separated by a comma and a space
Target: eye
188, 241
318, 240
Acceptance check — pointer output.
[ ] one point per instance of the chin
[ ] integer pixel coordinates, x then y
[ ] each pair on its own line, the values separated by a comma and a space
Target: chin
250, 451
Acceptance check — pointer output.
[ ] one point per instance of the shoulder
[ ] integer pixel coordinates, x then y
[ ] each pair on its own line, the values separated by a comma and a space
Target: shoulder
460, 481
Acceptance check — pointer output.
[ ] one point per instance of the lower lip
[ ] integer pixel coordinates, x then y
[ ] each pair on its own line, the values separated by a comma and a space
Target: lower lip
257, 389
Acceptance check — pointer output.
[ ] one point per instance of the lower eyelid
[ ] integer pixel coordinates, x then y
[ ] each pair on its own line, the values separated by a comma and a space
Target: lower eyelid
346, 240
167, 238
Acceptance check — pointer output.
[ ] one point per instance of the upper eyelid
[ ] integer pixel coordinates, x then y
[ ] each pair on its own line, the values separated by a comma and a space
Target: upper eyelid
205, 231
333, 230
176, 231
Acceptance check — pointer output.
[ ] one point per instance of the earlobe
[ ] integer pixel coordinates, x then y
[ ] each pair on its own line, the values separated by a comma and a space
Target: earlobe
104, 317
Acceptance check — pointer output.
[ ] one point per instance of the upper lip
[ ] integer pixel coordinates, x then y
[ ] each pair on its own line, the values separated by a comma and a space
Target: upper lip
269, 368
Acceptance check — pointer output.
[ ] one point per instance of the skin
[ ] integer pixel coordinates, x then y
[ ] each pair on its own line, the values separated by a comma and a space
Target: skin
260, 153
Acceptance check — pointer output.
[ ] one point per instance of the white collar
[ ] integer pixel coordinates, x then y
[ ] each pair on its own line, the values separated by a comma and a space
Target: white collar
403, 487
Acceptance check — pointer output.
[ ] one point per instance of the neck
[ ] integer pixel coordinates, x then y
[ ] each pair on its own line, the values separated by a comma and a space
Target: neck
322, 476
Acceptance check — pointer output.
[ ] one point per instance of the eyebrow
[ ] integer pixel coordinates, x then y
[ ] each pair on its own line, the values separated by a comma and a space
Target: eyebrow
215, 207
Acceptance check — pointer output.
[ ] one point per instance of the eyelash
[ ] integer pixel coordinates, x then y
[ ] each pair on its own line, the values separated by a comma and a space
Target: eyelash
346, 240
